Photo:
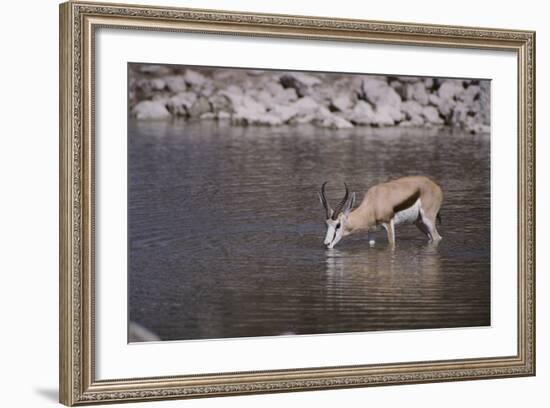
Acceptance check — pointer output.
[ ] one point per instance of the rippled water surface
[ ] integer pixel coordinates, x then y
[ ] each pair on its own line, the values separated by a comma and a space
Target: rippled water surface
226, 231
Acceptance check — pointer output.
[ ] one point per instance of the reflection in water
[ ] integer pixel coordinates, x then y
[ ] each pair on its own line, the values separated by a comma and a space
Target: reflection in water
226, 232
388, 287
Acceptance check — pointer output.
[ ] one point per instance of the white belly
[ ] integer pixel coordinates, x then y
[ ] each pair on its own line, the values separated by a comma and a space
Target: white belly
408, 214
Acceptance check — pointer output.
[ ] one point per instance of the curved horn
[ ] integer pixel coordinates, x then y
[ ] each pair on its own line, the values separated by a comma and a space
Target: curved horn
341, 204
324, 199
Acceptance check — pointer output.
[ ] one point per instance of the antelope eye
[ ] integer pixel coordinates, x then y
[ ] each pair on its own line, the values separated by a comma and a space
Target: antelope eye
337, 225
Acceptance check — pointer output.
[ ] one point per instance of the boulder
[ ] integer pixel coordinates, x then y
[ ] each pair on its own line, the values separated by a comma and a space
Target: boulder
385, 99
299, 81
306, 110
431, 115
282, 95
477, 128
194, 78
252, 112
223, 115
180, 103
459, 114
471, 94
450, 88
342, 102
414, 122
334, 122
208, 116
265, 98
200, 106
234, 94
428, 83
411, 109
220, 102
385, 116
158, 84
306, 105
446, 107
151, 110
379, 93
362, 113
175, 83
208, 89
285, 113
418, 93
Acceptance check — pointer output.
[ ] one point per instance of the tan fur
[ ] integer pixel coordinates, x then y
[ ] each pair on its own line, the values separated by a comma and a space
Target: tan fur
383, 200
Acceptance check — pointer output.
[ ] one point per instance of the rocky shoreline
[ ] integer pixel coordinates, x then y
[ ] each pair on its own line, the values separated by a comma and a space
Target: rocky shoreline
271, 98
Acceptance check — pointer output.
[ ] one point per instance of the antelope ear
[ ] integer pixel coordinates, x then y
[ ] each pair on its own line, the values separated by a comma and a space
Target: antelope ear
349, 204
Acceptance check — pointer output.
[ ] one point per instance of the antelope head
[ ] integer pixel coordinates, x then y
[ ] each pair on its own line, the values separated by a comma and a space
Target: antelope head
336, 219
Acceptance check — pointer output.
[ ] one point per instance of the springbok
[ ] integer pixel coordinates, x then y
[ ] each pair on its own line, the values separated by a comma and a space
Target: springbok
414, 199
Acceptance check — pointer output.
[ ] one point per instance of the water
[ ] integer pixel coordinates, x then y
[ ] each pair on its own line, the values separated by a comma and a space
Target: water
226, 231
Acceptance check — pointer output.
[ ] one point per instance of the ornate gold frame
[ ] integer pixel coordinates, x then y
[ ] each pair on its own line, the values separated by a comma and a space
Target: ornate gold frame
78, 21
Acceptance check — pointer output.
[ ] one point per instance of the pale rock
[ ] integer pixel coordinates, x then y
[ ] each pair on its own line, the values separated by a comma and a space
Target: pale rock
151, 110
411, 109
362, 113
223, 115
194, 78
446, 106
307, 110
208, 116
158, 84
431, 115
306, 105
175, 83
433, 99
342, 102
299, 81
274, 88
200, 106
478, 128
279, 94
428, 83
234, 94
471, 94
220, 102
385, 116
334, 122
298, 120
252, 112
379, 93
450, 88
418, 93
399, 87
459, 114
415, 122
286, 96
284, 112
180, 103
265, 98
208, 89
306, 79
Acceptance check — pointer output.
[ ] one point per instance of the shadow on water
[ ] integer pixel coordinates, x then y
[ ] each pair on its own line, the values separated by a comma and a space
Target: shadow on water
225, 231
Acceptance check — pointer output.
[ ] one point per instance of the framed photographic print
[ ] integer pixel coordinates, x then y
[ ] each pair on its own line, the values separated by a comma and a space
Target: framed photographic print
261, 203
